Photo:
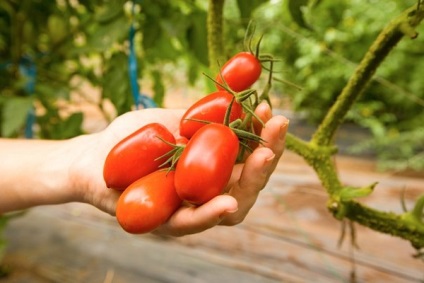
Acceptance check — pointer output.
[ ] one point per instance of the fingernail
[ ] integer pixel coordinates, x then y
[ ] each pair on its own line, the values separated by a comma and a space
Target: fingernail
283, 129
228, 212
268, 163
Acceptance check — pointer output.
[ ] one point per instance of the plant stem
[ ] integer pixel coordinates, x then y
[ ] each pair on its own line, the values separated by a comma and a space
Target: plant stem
318, 152
385, 42
320, 158
215, 33
386, 222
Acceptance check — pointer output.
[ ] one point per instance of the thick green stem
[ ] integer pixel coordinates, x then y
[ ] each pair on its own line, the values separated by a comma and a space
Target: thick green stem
385, 42
320, 158
215, 33
318, 152
386, 222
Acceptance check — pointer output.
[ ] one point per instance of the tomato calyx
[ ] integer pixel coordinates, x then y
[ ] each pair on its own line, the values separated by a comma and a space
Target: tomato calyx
244, 98
239, 96
173, 155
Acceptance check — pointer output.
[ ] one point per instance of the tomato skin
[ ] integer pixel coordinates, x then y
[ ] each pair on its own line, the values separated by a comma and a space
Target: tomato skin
181, 141
240, 72
210, 108
206, 164
136, 155
148, 202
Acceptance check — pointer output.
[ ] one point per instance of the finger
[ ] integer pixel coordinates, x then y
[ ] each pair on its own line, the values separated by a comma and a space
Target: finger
248, 180
274, 135
190, 220
253, 178
263, 110
264, 113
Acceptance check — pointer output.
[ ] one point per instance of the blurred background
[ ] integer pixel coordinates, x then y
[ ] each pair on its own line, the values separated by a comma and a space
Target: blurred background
70, 67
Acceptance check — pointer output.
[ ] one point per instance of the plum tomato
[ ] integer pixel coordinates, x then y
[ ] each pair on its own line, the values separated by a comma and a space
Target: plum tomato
240, 72
205, 165
137, 155
211, 108
148, 202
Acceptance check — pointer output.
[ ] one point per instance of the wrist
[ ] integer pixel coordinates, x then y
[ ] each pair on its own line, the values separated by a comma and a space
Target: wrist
33, 172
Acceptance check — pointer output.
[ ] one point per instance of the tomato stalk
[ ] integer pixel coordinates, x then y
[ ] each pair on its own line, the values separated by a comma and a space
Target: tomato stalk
173, 155
242, 97
248, 36
237, 129
288, 83
228, 113
248, 42
265, 92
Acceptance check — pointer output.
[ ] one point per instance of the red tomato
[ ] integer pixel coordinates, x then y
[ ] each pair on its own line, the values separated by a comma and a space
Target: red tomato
181, 141
137, 155
148, 202
240, 72
210, 108
205, 165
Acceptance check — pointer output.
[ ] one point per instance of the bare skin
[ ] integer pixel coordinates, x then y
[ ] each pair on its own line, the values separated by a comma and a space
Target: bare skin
41, 172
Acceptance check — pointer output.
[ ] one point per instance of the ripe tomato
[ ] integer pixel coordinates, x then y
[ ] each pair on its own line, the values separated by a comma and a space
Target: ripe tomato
181, 141
148, 202
240, 72
210, 108
137, 155
205, 165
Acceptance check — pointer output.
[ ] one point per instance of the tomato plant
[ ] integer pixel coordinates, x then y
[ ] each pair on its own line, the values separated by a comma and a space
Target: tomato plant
204, 167
211, 108
240, 72
148, 202
137, 155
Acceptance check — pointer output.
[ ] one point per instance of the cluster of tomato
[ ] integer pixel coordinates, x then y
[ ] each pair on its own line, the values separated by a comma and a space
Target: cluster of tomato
220, 122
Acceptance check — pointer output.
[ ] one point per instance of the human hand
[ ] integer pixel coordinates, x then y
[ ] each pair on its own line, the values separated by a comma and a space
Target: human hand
247, 180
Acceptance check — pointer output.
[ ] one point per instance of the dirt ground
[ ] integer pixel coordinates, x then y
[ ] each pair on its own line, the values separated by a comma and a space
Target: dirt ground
289, 236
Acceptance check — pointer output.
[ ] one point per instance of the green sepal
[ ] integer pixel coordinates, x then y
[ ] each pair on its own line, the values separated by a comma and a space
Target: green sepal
350, 193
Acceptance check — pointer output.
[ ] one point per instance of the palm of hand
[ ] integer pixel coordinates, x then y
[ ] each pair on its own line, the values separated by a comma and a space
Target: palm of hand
229, 209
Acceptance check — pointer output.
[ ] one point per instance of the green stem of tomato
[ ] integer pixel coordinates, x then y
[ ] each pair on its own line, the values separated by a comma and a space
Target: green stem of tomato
318, 152
265, 93
385, 42
320, 158
228, 112
215, 34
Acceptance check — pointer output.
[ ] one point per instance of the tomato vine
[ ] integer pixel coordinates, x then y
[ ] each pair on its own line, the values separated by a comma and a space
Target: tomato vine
318, 152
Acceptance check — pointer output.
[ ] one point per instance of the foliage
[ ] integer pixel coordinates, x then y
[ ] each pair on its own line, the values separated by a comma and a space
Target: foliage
64, 40
321, 43
46, 45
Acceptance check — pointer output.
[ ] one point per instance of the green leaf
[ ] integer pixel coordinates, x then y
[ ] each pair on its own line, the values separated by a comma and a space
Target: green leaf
158, 88
350, 193
246, 7
296, 11
14, 113
57, 28
116, 84
71, 126
197, 37
106, 35
193, 71
109, 12
151, 33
